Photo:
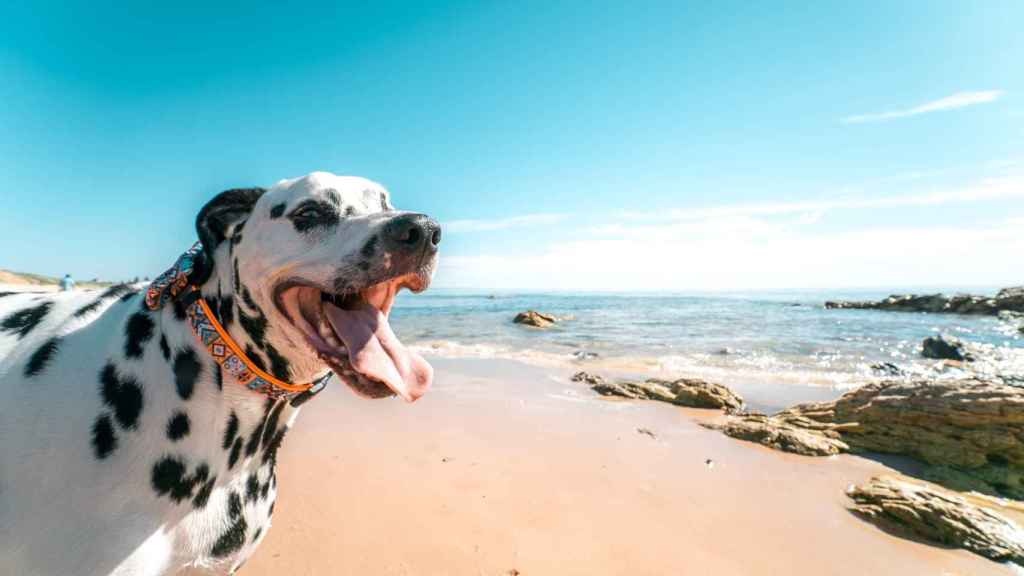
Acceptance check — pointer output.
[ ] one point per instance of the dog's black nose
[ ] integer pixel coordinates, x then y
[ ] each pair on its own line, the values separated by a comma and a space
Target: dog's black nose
413, 232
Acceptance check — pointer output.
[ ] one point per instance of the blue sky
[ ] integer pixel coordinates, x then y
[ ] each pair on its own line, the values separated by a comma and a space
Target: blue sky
597, 146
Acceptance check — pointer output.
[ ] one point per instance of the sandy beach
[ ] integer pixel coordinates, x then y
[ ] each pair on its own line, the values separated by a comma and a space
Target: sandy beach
506, 468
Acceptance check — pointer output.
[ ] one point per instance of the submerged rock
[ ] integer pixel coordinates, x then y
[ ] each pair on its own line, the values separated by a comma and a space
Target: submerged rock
888, 369
1011, 299
945, 348
535, 319
689, 392
937, 516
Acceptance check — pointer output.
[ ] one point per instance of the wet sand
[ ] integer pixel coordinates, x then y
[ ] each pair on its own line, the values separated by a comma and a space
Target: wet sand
506, 468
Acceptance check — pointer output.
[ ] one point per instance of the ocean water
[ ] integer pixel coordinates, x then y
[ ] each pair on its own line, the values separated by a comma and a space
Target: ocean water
731, 338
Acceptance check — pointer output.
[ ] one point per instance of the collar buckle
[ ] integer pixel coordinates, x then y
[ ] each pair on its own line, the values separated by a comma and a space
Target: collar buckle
317, 387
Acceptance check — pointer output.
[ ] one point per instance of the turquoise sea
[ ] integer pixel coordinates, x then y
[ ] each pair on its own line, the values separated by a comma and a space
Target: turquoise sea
735, 337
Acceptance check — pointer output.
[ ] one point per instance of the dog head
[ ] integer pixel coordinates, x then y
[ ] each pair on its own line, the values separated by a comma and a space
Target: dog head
304, 276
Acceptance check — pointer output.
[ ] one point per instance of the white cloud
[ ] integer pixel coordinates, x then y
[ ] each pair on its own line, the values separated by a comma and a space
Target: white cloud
989, 189
953, 102
482, 225
730, 255
748, 247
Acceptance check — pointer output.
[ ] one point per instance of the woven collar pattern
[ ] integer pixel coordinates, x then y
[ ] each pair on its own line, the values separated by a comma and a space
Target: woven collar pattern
174, 284
175, 281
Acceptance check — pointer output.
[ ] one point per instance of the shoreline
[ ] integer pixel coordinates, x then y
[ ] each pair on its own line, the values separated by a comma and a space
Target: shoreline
507, 468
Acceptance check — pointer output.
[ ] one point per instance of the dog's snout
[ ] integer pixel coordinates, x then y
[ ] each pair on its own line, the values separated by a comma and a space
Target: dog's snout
413, 232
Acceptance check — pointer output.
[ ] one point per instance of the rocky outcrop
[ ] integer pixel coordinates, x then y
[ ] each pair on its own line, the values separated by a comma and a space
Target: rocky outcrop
689, 392
1015, 319
535, 319
937, 516
943, 347
971, 431
1011, 299
796, 435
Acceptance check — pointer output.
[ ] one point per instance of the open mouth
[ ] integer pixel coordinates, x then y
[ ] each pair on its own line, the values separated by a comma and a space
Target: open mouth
351, 334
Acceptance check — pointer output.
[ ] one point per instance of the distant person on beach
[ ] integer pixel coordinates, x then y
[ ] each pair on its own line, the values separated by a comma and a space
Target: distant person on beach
67, 284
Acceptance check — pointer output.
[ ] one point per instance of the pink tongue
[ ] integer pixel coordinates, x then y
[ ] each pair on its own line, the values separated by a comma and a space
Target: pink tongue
375, 351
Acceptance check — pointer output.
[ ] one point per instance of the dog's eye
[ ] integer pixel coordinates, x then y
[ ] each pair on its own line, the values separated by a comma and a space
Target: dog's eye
307, 211
313, 215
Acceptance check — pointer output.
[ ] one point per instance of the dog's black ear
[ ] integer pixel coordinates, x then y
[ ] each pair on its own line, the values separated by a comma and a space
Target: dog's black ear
212, 223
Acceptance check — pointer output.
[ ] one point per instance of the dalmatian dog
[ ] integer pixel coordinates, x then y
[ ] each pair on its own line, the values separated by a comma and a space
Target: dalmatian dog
126, 449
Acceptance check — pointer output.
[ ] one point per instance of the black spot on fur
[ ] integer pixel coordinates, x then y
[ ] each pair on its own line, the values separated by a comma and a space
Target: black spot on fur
123, 394
165, 350
333, 196
236, 452
254, 357
119, 290
247, 298
254, 326
230, 431
253, 443
41, 357
279, 366
313, 215
370, 247
104, 439
270, 424
169, 478
178, 426
23, 321
129, 296
138, 331
256, 534
384, 203
252, 488
230, 541
186, 371
277, 210
234, 505
237, 281
2, 294
270, 511
214, 304
350, 211
227, 311
179, 310
270, 451
203, 495
218, 377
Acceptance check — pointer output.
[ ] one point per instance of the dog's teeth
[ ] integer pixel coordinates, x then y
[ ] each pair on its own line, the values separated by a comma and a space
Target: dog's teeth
325, 331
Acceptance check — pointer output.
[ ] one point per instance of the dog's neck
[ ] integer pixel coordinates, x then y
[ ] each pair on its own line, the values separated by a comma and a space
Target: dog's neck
247, 320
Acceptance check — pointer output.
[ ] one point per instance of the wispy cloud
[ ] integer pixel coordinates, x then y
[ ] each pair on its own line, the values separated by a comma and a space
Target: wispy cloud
958, 100
745, 246
990, 189
488, 225
745, 254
